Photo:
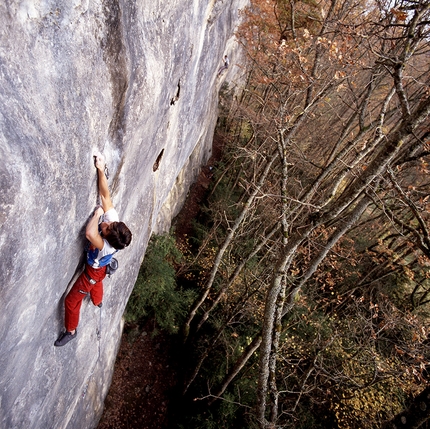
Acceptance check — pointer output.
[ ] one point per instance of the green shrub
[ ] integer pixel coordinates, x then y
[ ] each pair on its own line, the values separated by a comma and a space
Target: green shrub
155, 292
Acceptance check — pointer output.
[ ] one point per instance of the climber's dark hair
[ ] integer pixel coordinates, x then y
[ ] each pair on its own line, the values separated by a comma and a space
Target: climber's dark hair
119, 235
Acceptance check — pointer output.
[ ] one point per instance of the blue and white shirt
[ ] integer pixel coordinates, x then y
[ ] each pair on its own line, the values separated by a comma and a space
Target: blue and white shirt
99, 258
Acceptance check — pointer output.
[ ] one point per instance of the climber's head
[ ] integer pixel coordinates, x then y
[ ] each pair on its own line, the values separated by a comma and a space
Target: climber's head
117, 234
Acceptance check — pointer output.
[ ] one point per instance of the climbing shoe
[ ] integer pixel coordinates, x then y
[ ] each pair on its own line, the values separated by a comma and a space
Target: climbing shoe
100, 305
64, 338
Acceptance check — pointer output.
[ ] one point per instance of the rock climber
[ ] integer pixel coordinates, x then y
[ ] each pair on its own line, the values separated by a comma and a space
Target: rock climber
225, 66
106, 236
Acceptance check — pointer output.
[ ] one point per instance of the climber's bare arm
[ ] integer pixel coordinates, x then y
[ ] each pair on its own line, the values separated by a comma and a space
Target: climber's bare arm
103, 184
92, 230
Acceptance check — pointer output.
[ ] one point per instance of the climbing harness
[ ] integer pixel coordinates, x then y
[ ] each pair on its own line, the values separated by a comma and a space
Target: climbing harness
92, 281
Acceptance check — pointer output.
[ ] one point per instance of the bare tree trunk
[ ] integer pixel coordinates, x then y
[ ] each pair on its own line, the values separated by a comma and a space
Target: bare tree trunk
273, 388
276, 289
379, 165
267, 331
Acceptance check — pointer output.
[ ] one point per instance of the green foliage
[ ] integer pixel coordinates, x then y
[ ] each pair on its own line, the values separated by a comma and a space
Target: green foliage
307, 419
155, 292
200, 232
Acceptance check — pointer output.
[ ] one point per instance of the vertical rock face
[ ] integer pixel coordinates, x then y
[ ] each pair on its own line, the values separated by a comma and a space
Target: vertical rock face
136, 81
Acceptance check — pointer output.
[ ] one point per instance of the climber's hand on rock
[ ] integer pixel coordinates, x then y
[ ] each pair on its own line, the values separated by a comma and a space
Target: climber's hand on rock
98, 211
99, 162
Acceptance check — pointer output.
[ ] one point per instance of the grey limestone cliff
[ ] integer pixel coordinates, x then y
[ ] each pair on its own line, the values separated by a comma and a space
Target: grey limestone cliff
137, 81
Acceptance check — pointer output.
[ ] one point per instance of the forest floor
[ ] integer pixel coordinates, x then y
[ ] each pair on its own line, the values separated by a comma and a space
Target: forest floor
146, 368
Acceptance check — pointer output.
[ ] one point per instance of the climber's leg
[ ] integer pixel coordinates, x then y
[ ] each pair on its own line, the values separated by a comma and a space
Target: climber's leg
73, 302
97, 275
72, 306
96, 293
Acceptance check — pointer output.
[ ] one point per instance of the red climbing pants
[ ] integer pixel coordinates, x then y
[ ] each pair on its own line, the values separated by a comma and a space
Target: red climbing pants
79, 291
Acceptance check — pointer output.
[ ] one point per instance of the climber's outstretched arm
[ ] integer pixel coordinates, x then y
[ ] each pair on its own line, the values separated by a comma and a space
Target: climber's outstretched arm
103, 184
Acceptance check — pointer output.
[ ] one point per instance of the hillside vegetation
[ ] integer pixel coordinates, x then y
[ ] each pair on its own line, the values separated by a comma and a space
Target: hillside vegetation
307, 268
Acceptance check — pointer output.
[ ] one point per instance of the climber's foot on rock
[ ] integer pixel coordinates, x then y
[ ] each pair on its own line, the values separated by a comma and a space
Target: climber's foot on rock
64, 338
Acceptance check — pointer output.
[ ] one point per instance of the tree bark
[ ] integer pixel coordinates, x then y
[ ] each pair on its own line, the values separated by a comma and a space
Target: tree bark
378, 166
